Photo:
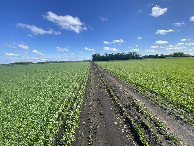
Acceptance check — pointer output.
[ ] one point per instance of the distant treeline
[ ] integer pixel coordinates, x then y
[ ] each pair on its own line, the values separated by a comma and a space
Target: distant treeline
117, 56
133, 55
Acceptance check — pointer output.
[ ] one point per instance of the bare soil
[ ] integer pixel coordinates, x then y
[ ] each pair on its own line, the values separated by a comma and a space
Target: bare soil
101, 123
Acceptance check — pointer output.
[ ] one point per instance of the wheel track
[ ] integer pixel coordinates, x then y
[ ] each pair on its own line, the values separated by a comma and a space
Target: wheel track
100, 120
183, 132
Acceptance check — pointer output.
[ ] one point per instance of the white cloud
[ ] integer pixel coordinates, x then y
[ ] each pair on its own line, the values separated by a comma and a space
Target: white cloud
61, 49
176, 47
151, 51
82, 53
135, 50
179, 24
23, 46
105, 42
183, 40
139, 38
30, 35
103, 18
37, 52
139, 11
192, 18
35, 30
161, 42
189, 44
65, 54
66, 22
118, 41
162, 47
70, 53
136, 45
89, 49
10, 46
157, 11
110, 49
163, 32
114, 41
154, 47
180, 44
11, 54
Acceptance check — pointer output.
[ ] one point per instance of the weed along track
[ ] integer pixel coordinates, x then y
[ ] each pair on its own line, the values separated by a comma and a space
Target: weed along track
100, 122
100, 104
114, 114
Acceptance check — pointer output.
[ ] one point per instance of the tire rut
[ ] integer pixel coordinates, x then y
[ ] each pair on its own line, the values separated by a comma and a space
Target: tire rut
100, 122
183, 132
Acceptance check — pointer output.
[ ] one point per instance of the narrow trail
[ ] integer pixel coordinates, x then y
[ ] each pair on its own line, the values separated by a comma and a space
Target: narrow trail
100, 122
184, 132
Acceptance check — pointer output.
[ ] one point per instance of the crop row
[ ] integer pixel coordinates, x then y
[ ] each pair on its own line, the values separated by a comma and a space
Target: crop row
141, 120
34, 100
169, 80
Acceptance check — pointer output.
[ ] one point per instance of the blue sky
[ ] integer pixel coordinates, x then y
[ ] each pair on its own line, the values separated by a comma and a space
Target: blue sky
43, 30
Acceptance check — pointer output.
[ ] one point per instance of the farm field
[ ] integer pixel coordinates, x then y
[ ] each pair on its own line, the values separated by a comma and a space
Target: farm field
170, 80
134, 102
36, 98
137, 118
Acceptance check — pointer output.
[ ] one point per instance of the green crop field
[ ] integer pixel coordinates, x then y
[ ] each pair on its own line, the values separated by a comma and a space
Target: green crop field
170, 80
40, 104
36, 98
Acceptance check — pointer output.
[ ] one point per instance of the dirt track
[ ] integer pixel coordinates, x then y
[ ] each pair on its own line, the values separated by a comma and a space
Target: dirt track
101, 123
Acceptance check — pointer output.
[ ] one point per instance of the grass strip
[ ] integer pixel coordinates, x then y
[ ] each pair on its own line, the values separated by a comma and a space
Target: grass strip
161, 128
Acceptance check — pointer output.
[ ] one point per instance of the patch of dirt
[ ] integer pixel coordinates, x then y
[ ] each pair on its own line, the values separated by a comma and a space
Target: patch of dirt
182, 131
100, 122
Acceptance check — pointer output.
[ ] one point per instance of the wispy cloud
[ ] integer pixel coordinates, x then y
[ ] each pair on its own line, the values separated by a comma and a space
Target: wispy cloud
157, 11
103, 18
23, 46
163, 32
183, 40
114, 41
172, 47
135, 50
153, 47
82, 53
36, 31
70, 53
189, 44
61, 49
192, 18
89, 49
139, 38
179, 24
37, 52
180, 44
110, 49
10, 46
11, 54
66, 22
161, 42
151, 51
106, 42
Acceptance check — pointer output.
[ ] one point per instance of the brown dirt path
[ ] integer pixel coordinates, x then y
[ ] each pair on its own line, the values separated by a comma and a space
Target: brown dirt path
184, 132
100, 122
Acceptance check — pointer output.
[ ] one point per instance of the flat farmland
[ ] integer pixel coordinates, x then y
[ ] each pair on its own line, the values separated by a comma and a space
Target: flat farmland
133, 102
36, 98
171, 80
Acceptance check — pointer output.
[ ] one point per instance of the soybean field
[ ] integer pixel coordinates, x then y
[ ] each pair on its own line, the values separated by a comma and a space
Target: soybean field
133, 102
36, 98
